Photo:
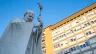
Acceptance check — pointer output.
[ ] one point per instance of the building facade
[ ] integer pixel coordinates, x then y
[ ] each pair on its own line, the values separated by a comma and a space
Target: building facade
43, 44
75, 34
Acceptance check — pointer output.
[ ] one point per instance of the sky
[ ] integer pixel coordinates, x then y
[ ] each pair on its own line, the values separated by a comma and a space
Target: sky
53, 10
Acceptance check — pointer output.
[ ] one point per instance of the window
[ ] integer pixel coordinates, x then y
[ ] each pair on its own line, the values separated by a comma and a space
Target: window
64, 35
80, 36
59, 37
67, 51
57, 45
86, 24
62, 44
87, 44
56, 38
67, 26
69, 32
89, 32
84, 45
73, 39
77, 29
93, 21
74, 48
74, 23
90, 14
82, 19
44, 51
81, 46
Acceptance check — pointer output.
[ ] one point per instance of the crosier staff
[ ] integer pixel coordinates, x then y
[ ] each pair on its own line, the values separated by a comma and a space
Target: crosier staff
41, 8
40, 28
39, 17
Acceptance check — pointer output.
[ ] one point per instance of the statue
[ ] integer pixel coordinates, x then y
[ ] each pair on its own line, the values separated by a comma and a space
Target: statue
22, 36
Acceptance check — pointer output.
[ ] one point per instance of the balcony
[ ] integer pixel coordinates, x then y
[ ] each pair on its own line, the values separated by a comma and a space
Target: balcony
43, 39
43, 44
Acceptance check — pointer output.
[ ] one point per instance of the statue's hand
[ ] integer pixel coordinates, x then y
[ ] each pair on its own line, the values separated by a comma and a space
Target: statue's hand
39, 20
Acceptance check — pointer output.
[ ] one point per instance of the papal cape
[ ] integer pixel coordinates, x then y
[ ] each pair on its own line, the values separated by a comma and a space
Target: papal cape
19, 38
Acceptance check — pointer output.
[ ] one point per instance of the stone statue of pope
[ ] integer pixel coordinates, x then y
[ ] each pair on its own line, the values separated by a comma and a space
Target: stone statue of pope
22, 36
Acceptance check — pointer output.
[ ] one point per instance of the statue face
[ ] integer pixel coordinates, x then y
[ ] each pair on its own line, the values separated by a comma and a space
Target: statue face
29, 16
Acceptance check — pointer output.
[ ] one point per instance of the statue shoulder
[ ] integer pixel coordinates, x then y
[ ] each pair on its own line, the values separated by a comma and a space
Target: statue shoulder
17, 20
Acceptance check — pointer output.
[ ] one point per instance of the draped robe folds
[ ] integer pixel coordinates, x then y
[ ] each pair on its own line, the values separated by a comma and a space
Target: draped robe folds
21, 38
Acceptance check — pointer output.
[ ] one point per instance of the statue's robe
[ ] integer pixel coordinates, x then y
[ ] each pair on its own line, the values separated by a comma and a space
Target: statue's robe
20, 38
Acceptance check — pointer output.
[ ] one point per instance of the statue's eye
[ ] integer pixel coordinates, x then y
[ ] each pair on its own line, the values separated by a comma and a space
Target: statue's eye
30, 16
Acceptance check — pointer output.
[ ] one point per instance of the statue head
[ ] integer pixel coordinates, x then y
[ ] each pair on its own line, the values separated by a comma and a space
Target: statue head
29, 16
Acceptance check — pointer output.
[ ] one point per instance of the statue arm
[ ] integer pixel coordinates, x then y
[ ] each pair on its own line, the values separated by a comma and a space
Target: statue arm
38, 30
40, 21
37, 33
40, 24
